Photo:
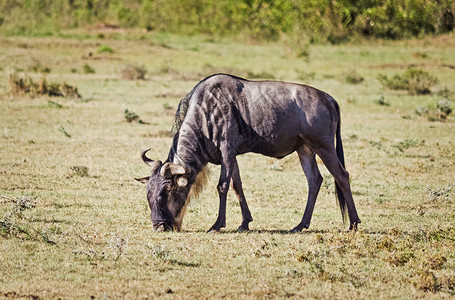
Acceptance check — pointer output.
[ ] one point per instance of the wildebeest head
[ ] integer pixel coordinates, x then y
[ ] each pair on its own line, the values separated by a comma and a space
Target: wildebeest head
167, 192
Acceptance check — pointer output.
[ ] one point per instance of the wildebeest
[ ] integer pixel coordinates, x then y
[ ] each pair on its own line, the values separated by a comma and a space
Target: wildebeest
224, 116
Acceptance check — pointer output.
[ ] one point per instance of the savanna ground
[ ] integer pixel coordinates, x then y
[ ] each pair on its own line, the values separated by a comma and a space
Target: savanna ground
75, 224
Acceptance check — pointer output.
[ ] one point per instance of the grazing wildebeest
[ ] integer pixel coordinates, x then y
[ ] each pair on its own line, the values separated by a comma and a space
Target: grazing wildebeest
224, 116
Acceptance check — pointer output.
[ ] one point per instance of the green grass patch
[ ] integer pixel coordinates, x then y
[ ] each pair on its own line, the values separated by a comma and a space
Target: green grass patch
105, 49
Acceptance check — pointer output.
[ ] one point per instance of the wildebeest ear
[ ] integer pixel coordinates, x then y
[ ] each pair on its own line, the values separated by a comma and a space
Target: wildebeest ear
182, 181
143, 179
170, 169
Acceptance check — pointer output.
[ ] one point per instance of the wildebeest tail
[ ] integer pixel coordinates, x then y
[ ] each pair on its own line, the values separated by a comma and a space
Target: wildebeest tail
340, 154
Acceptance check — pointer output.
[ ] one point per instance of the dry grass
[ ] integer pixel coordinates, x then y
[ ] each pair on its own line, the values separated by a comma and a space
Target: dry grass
75, 224
20, 85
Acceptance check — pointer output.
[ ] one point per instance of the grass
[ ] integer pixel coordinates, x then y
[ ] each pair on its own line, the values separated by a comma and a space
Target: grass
75, 224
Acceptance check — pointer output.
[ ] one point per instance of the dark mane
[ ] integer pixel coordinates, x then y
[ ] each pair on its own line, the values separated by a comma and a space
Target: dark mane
202, 176
182, 109
180, 114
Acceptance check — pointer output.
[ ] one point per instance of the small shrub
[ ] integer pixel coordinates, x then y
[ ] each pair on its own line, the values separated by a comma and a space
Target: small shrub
427, 281
81, 171
68, 91
8, 224
448, 282
39, 68
17, 84
25, 85
134, 72
167, 107
381, 101
420, 82
438, 112
420, 55
437, 194
87, 69
435, 261
408, 143
444, 93
400, 258
105, 48
130, 116
415, 81
386, 243
353, 77
445, 107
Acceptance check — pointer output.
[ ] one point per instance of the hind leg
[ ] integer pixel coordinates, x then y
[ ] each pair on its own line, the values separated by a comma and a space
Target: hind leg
236, 184
314, 178
329, 157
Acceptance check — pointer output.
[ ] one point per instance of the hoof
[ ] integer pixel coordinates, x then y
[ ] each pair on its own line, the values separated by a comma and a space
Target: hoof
299, 228
214, 231
295, 230
353, 227
243, 229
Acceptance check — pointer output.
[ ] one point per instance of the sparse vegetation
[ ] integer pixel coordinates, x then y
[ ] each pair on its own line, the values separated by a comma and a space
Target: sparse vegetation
25, 85
436, 112
39, 68
131, 116
80, 171
413, 80
134, 72
87, 69
353, 77
382, 101
408, 143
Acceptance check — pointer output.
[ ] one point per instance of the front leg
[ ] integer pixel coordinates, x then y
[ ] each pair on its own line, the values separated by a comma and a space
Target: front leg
223, 187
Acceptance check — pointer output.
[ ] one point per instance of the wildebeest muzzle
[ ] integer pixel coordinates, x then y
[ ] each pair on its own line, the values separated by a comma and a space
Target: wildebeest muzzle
161, 225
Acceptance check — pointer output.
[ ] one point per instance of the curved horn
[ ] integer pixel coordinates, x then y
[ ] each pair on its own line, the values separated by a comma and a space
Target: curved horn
170, 169
153, 164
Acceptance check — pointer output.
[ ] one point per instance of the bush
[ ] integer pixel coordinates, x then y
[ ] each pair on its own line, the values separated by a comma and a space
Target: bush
438, 112
334, 21
87, 69
134, 72
353, 77
25, 85
382, 101
130, 116
39, 68
415, 81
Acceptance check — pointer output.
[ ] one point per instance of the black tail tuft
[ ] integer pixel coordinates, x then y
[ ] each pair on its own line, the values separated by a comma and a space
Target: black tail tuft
340, 154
